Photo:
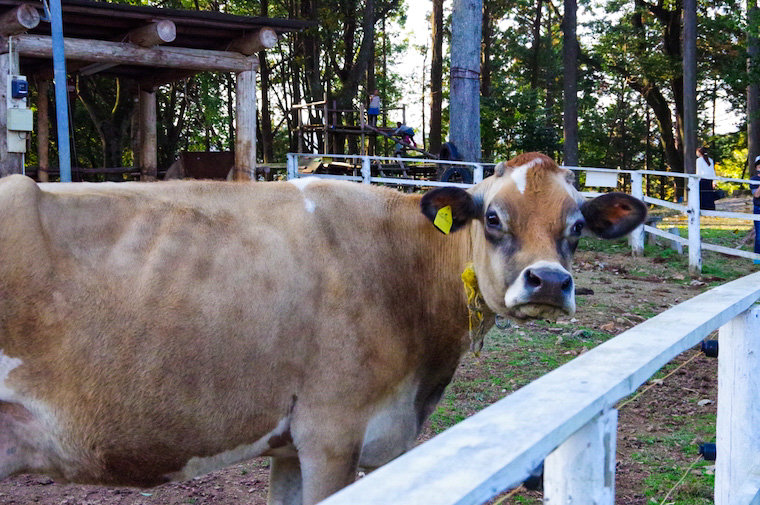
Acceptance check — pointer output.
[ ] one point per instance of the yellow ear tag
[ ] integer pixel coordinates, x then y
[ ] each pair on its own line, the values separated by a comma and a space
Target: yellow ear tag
443, 219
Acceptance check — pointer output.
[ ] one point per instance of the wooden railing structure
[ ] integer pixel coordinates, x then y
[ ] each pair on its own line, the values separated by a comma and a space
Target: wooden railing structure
567, 418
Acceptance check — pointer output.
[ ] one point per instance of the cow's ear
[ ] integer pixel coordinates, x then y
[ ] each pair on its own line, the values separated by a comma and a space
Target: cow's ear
449, 208
613, 215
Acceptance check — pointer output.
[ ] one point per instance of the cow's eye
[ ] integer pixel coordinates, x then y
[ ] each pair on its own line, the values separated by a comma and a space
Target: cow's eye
492, 220
578, 227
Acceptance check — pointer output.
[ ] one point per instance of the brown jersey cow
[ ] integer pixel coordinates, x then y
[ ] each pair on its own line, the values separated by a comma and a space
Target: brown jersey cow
151, 332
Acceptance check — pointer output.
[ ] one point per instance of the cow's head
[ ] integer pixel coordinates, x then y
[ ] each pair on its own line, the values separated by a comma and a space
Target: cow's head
526, 222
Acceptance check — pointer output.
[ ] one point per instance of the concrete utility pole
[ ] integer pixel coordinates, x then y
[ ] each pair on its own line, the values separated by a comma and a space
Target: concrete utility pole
466, 35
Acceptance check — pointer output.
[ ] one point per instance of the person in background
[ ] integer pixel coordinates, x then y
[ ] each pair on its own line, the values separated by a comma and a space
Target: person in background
406, 133
374, 108
756, 204
705, 167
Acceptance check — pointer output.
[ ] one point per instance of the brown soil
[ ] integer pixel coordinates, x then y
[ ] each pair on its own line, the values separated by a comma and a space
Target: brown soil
610, 279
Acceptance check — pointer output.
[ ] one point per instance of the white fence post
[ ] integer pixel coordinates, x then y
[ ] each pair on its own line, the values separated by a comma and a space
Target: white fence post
582, 469
292, 168
366, 170
737, 467
637, 236
477, 174
695, 242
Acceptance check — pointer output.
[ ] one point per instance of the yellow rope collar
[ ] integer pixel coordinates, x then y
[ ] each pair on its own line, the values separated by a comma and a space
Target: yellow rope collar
476, 308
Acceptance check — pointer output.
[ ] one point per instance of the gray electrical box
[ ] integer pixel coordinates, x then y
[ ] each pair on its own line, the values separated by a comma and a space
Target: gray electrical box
20, 120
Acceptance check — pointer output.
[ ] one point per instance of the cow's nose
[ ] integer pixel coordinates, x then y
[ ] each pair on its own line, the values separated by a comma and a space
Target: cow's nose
548, 285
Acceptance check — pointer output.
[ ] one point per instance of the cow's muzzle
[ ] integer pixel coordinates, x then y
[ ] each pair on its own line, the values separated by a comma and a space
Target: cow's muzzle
542, 290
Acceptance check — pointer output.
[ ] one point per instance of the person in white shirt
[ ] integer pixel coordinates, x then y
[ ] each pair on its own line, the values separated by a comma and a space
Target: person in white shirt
705, 168
374, 108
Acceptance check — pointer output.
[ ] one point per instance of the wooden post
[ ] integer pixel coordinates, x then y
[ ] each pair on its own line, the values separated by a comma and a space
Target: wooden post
10, 163
582, 469
637, 236
366, 171
753, 89
245, 124
738, 439
148, 142
22, 18
695, 239
466, 29
43, 131
292, 167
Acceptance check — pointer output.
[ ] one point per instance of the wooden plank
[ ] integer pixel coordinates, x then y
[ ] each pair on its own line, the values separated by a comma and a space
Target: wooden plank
670, 205
732, 215
22, 18
665, 234
730, 251
597, 178
738, 439
41, 46
494, 449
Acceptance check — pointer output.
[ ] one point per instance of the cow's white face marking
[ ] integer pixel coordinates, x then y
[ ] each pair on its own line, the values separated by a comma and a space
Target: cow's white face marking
7, 364
199, 466
520, 174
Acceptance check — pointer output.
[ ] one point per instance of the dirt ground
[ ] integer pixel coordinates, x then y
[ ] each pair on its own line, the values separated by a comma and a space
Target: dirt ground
607, 280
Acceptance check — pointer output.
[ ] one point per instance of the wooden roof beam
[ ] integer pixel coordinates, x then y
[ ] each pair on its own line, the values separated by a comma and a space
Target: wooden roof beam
16, 21
253, 42
125, 53
153, 34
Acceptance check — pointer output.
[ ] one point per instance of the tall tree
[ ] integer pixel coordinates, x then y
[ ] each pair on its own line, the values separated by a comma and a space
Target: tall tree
753, 96
570, 81
436, 76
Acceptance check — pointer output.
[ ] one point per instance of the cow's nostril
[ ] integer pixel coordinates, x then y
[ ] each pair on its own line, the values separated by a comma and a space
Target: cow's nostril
532, 279
567, 284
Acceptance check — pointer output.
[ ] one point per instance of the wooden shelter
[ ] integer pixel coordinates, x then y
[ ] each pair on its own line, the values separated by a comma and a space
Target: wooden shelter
152, 46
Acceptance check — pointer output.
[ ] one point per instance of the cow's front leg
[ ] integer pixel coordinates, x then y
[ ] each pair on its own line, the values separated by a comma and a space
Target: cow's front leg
285, 483
329, 456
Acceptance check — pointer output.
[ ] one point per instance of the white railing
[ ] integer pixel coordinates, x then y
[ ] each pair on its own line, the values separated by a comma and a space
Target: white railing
566, 418
691, 209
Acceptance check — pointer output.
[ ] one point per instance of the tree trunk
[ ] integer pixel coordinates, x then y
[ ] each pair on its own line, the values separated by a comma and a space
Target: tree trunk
753, 95
436, 76
267, 136
536, 49
570, 64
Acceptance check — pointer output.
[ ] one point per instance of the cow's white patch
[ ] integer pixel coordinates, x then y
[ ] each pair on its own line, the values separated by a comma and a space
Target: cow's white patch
519, 294
302, 182
392, 429
520, 174
310, 206
7, 364
199, 466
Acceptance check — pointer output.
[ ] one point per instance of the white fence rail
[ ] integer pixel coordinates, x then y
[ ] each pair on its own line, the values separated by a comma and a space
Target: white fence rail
567, 418
690, 209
